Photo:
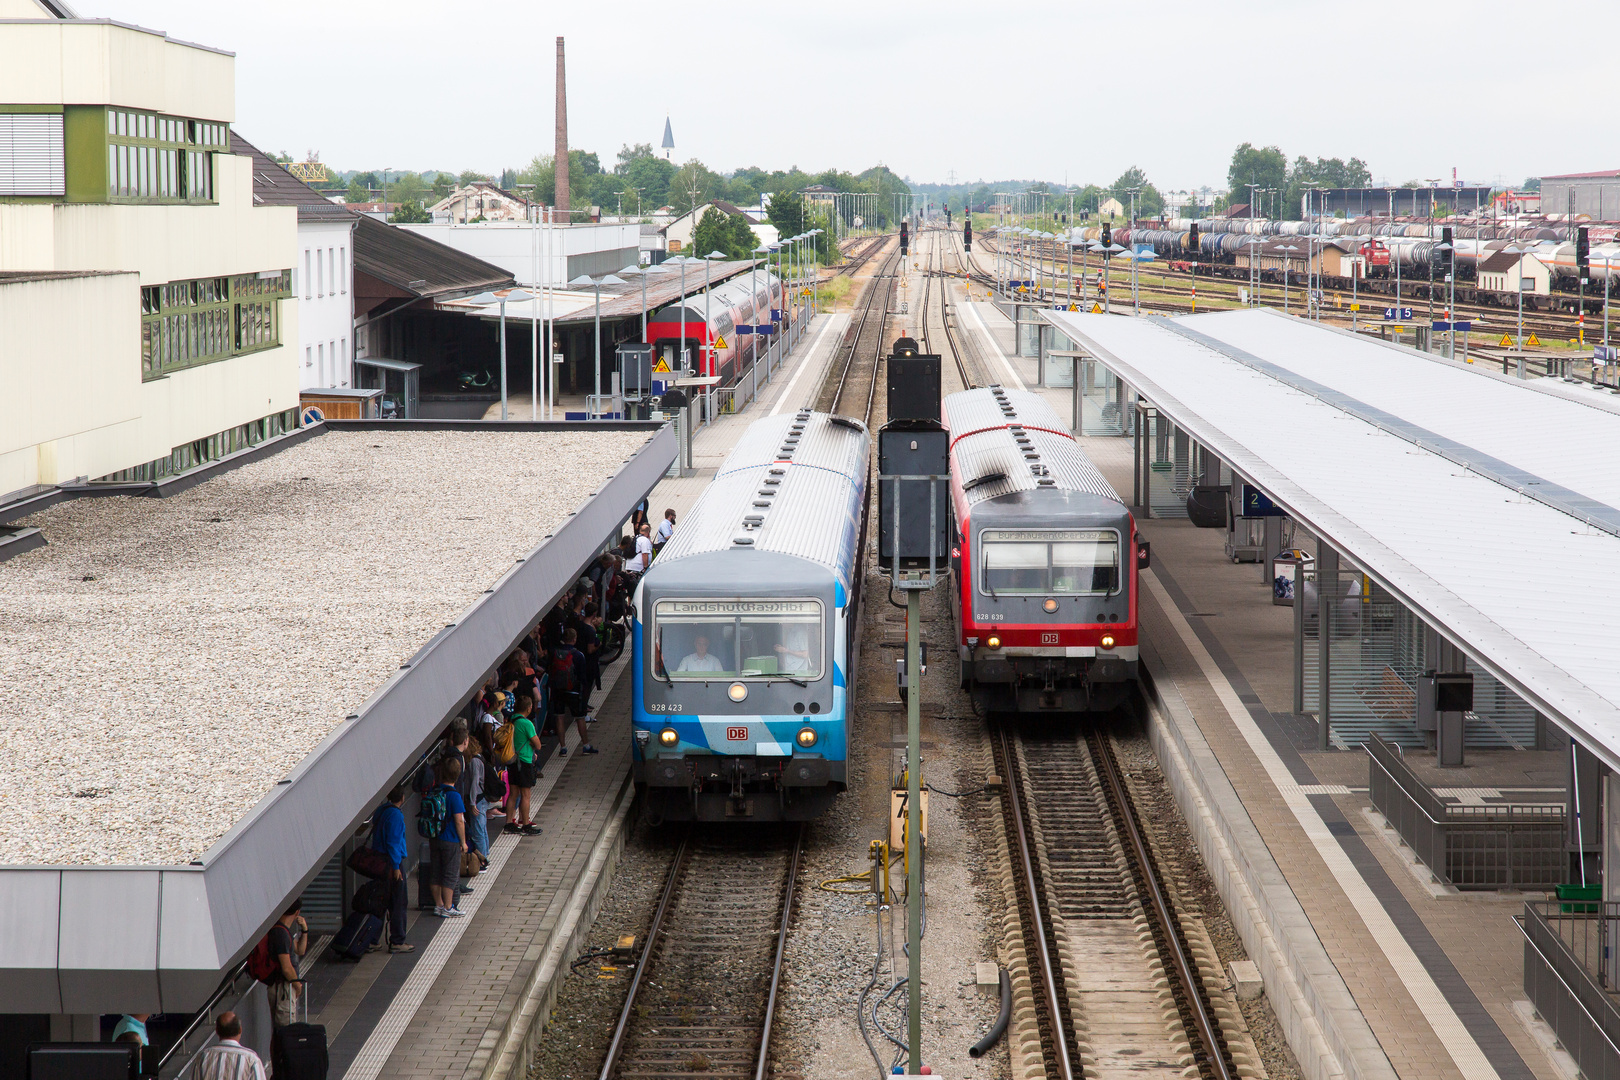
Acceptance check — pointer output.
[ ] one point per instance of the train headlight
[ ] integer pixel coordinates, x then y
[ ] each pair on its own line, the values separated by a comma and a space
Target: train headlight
1107, 641
994, 642
669, 736
1050, 605
737, 691
807, 737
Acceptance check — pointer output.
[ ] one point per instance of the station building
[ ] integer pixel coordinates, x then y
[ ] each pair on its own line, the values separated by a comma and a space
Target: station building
1595, 195
133, 257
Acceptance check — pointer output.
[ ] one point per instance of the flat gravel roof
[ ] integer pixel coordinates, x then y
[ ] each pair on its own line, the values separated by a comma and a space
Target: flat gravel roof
165, 662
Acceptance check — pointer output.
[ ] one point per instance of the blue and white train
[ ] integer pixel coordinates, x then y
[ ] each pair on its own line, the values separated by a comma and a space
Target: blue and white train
747, 631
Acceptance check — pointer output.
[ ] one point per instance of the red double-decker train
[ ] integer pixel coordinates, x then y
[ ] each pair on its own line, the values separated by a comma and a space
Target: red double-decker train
721, 332
1045, 559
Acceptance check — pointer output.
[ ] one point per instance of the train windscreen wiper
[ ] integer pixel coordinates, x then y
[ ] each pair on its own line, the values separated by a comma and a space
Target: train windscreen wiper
659, 671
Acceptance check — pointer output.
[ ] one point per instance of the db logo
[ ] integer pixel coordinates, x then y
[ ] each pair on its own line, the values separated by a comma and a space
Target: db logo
736, 734
1049, 639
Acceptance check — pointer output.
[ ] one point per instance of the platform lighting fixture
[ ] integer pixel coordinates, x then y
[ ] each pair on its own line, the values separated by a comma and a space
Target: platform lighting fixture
1518, 287
1288, 251
486, 298
708, 314
1451, 303
596, 284
635, 270
1254, 243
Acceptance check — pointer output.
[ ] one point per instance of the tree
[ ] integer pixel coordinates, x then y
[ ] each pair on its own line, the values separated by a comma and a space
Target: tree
357, 193
726, 233
787, 213
639, 168
1266, 168
1532, 183
692, 177
468, 176
411, 213
1149, 203
443, 184
365, 179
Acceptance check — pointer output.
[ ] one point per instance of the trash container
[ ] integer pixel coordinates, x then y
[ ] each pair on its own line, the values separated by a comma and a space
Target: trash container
1288, 570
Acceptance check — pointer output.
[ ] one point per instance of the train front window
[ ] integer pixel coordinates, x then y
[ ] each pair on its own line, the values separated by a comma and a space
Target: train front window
749, 639
1074, 562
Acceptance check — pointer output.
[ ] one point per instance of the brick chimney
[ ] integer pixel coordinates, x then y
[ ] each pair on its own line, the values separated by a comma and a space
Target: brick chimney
562, 135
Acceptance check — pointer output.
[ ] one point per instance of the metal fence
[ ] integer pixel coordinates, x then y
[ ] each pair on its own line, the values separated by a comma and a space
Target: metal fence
1512, 846
1564, 949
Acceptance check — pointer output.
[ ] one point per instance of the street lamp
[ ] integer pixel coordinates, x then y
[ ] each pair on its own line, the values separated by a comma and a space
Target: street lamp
1288, 251
636, 270
815, 282
1254, 244
515, 296
1518, 287
708, 319
596, 284
1451, 303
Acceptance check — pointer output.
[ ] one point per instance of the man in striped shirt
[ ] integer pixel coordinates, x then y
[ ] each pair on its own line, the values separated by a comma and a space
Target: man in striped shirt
228, 1059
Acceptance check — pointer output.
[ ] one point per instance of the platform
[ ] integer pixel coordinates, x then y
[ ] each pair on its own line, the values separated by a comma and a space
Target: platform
1392, 975
468, 1003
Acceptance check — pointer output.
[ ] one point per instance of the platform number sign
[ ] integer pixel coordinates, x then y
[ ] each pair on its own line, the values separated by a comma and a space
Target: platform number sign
1256, 504
1391, 314
736, 734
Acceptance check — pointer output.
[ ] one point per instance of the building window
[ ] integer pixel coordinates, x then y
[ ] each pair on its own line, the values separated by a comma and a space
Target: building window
309, 357
187, 323
307, 277
201, 451
343, 275
153, 158
331, 270
320, 275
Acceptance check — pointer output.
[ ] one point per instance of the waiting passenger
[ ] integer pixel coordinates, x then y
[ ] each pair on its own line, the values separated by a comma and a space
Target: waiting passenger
701, 659
666, 529
228, 1059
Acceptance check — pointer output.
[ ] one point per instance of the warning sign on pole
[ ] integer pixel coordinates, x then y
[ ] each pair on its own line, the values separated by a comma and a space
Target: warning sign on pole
1505, 343
1096, 309
1533, 340
1074, 307
662, 368
720, 342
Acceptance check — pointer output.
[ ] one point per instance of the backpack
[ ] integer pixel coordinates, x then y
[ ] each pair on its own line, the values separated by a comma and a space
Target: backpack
503, 751
494, 787
562, 669
431, 814
260, 964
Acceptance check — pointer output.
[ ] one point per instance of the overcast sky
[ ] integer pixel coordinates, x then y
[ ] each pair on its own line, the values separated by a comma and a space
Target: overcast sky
927, 89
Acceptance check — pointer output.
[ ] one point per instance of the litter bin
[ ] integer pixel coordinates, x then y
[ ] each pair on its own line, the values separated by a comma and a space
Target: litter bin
1591, 893
1288, 570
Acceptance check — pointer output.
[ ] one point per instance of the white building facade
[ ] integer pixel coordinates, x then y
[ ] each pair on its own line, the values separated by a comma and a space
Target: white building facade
536, 253
133, 258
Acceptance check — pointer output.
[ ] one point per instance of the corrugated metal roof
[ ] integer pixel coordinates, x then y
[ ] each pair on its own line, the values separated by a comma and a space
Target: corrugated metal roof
1018, 435
798, 498
420, 266
1386, 453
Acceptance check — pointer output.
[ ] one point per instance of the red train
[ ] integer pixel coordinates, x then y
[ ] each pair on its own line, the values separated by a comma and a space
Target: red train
712, 345
1045, 559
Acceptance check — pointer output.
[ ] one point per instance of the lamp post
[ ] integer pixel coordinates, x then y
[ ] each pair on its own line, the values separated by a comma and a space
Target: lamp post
1254, 244
1518, 288
1288, 254
708, 316
1451, 302
516, 296
597, 283
815, 280
635, 270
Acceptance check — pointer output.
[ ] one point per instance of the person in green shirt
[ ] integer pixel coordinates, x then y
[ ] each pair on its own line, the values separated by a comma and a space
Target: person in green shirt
524, 770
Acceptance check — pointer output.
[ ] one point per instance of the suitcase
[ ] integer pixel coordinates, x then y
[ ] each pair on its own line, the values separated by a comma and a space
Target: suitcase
298, 1051
360, 932
373, 898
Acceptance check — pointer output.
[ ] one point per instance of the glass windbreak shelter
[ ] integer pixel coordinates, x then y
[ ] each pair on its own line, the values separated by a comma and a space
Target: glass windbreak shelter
1072, 562
400, 382
704, 639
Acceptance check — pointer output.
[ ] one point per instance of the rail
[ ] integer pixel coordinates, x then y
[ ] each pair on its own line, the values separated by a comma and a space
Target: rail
1211, 1053
703, 1032
1561, 984
1516, 846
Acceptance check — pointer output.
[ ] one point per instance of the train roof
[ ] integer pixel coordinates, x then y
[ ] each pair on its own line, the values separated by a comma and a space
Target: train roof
792, 486
726, 295
1005, 441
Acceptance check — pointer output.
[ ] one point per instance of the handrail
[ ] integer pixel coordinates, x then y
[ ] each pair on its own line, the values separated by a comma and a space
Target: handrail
1464, 812
228, 984
1573, 994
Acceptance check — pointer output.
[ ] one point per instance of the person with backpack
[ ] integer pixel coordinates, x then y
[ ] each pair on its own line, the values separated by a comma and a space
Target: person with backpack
442, 820
474, 770
524, 769
568, 672
275, 963
388, 837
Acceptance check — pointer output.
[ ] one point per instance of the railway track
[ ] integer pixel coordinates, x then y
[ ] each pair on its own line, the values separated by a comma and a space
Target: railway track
704, 994
964, 354
1170, 295
849, 266
856, 381
1100, 933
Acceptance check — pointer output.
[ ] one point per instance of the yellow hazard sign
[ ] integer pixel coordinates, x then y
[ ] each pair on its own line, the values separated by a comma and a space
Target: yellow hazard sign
720, 342
1355, 307
1505, 343
1096, 309
1074, 307
662, 367
1533, 340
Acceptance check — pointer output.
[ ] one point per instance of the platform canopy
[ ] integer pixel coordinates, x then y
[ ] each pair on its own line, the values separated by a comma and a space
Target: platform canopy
1485, 503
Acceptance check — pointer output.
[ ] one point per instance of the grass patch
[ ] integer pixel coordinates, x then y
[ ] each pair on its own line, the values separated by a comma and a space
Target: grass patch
835, 291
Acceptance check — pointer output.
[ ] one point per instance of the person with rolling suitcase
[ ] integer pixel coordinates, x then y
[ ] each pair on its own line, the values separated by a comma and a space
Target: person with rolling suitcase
288, 940
298, 1050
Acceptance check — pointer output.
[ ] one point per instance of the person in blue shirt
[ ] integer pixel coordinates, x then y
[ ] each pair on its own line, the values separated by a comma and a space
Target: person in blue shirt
451, 843
388, 837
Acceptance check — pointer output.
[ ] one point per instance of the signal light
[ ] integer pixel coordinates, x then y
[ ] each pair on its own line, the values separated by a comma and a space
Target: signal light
1583, 250
1108, 233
